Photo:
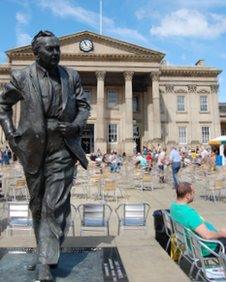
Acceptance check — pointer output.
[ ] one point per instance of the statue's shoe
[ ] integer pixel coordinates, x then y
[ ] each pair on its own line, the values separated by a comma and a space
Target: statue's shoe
44, 273
31, 267
32, 264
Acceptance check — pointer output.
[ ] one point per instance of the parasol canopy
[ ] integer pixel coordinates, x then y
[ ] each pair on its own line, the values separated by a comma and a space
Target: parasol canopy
218, 140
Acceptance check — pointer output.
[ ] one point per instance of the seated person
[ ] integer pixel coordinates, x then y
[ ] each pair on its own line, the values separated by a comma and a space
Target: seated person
187, 216
143, 162
137, 159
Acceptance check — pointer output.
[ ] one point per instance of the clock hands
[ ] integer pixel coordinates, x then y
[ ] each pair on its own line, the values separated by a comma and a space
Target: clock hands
86, 45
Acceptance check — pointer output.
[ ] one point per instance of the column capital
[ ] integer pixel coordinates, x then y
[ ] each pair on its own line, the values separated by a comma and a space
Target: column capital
214, 88
100, 75
155, 76
128, 75
169, 88
2, 85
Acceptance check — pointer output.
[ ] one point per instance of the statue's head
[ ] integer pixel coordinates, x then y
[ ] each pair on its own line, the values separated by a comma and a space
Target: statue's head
46, 48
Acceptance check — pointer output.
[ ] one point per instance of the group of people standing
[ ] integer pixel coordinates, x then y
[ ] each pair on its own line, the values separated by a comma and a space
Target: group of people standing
177, 158
5, 156
174, 159
148, 158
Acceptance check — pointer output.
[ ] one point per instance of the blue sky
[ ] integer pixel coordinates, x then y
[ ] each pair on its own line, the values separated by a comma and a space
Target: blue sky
185, 30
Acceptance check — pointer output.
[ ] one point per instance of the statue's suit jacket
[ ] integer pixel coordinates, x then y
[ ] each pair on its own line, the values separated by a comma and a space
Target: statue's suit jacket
30, 137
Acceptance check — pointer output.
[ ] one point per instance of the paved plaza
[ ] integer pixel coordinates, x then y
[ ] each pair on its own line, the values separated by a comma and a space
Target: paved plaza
143, 258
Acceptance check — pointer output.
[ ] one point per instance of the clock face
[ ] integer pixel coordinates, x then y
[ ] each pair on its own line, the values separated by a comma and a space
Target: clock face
86, 45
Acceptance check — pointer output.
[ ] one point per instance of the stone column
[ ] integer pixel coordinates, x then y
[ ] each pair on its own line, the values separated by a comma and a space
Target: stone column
2, 135
100, 130
216, 127
149, 108
194, 109
170, 114
156, 106
128, 125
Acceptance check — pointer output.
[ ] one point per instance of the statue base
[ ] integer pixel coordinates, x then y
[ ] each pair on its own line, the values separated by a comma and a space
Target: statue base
75, 264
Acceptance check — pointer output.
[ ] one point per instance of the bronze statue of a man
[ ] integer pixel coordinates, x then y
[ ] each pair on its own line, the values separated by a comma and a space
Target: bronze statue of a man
54, 110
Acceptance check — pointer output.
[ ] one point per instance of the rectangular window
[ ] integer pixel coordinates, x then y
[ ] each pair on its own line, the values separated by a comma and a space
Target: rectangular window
205, 134
89, 94
112, 98
112, 133
180, 104
182, 135
135, 104
203, 104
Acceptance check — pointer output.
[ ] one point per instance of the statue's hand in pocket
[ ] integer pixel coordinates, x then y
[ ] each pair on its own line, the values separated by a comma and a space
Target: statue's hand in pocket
68, 129
11, 141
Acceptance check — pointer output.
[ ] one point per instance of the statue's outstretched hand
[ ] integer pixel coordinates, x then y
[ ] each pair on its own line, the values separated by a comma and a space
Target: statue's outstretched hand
68, 129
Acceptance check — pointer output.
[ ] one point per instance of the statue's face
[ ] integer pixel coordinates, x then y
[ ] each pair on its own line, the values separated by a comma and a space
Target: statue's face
49, 52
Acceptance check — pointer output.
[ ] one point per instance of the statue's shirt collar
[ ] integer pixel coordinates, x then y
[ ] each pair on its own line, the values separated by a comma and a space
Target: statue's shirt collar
43, 72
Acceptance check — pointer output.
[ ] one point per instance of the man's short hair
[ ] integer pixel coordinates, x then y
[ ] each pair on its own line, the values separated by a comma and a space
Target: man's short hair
35, 44
183, 188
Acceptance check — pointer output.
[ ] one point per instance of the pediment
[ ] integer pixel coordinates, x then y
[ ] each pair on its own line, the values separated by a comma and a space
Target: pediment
102, 46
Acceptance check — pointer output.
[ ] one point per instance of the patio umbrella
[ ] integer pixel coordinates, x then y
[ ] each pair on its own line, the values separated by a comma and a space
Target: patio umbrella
218, 140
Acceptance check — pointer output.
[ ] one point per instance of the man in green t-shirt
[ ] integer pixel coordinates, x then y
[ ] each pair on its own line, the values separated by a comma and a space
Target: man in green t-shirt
187, 216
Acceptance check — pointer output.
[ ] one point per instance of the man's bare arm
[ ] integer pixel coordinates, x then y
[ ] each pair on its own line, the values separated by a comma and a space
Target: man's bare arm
203, 232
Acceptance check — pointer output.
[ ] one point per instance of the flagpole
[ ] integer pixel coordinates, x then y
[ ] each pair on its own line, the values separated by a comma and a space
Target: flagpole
101, 16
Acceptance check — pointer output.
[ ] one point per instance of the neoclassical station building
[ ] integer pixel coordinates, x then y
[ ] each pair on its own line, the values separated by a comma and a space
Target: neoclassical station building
136, 98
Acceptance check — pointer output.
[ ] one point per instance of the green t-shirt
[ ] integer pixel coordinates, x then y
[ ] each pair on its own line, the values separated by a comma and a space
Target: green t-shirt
189, 217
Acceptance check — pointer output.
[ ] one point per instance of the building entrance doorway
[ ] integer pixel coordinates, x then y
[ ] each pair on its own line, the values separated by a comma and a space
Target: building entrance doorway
88, 139
136, 138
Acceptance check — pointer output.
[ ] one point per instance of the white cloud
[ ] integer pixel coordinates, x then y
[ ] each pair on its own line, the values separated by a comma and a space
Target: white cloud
22, 18
201, 3
65, 9
22, 37
128, 33
223, 56
190, 23
183, 57
157, 8
142, 13
2, 57
147, 13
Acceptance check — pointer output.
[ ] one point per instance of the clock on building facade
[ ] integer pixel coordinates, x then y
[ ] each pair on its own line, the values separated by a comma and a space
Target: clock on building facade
86, 45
